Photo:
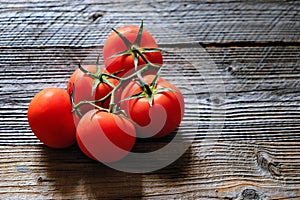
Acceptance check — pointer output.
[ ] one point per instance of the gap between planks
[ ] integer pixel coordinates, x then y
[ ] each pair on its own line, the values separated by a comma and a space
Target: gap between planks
228, 44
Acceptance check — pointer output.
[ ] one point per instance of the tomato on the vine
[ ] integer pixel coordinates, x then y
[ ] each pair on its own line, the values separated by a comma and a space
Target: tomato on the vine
105, 136
157, 110
119, 51
51, 119
82, 86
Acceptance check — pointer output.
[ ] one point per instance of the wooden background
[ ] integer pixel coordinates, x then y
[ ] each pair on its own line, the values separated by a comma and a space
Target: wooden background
255, 50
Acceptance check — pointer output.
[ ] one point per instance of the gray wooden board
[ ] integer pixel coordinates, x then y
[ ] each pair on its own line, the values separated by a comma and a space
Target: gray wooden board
251, 55
256, 153
229, 170
261, 93
87, 23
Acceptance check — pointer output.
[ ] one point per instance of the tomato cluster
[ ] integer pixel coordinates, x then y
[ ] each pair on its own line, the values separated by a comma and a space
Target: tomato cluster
104, 109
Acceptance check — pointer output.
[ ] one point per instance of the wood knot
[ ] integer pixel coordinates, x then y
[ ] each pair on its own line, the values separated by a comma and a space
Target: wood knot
229, 69
250, 194
233, 67
40, 179
96, 16
266, 163
237, 69
215, 101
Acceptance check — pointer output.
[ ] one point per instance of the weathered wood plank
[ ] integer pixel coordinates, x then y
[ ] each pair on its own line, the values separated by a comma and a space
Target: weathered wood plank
227, 170
47, 174
256, 156
87, 23
261, 85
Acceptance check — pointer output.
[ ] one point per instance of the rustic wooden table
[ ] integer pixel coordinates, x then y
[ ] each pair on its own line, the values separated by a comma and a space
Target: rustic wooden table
253, 53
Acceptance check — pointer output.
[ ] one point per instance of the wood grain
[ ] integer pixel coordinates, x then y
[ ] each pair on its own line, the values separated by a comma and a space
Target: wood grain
261, 93
241, 92
227, 170
87, 23
257, 153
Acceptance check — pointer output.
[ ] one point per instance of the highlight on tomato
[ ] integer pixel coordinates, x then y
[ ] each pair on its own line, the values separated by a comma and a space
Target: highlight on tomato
50, 118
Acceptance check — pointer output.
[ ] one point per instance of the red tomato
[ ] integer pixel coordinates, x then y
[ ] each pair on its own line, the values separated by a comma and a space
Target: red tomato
50, 118
160, 119
114, 45
81, 84
104, 136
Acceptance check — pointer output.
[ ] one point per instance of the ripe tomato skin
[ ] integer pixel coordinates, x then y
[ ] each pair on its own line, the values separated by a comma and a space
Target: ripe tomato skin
114, 45
81, 84
105, 137
163, 117
51, 119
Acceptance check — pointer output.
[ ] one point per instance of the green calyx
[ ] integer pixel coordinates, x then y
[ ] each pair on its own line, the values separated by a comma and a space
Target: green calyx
134, 49
98, 77
149, 90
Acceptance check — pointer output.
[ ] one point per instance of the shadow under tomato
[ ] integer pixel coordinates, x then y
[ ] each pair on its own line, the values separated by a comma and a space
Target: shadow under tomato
177, 169
72, 175
144, 145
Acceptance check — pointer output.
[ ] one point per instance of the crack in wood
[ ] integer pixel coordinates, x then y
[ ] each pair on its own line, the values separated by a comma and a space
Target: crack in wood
229, 44
249, 44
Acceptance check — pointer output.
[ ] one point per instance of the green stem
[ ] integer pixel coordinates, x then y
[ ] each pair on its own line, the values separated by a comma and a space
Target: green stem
148, 90
136, 50
111, 76
89, 102
112, 104
137, 74
87, 72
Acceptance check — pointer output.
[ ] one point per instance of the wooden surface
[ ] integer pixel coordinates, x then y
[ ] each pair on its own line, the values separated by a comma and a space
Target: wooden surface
255, 48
